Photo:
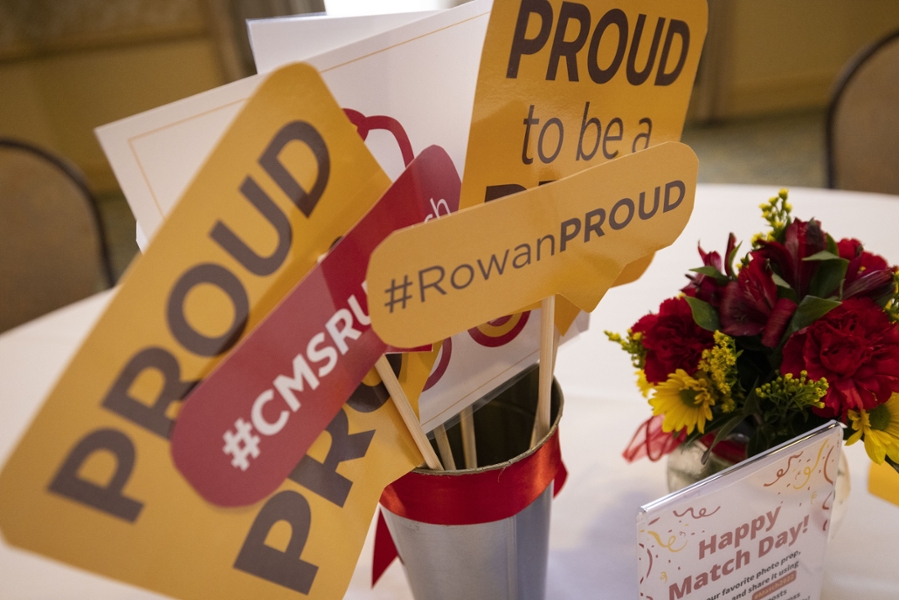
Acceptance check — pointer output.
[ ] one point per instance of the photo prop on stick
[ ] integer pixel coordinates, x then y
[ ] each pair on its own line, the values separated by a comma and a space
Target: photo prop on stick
883, 481
564, 86
92, 482
572, 237
247, 425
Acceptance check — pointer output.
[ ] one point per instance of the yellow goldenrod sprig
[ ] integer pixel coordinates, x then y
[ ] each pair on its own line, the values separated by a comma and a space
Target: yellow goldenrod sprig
891, 308
632, 344
776, 212
719, 363
790, 394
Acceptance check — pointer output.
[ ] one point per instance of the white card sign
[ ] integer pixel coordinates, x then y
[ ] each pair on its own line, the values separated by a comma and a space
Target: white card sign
155, 154
758, 530
283, 40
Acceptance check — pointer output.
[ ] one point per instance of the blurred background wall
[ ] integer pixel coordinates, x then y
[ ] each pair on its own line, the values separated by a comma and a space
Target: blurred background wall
67, 66
771, 56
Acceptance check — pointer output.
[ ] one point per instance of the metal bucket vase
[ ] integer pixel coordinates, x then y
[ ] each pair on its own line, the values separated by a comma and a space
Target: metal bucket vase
483, 534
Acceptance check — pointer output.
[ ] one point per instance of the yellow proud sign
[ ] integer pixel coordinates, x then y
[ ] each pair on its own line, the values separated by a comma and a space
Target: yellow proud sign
567, 85
92, 482
572, 237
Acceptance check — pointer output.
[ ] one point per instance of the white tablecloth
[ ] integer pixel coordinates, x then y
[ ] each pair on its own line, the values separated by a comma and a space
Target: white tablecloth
592, 540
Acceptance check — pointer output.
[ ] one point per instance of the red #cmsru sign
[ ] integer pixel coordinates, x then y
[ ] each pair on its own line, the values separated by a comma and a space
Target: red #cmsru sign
247, 425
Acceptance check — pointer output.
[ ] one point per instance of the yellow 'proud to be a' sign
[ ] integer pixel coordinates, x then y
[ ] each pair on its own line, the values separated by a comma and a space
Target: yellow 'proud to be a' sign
572, 237
567, 85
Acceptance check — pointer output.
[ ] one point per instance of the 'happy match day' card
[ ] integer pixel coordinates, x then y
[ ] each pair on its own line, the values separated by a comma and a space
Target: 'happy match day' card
758, 530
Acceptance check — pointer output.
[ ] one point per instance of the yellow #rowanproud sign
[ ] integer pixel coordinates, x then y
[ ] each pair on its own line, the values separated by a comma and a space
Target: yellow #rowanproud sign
572, 237
92, 482
565, 85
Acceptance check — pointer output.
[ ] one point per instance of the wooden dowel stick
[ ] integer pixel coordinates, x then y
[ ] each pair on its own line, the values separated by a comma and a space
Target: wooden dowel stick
443, 445
557, 335
547, 345
408, 415
469, 447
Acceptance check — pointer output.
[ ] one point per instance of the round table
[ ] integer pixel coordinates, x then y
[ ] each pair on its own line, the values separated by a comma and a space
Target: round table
593, 533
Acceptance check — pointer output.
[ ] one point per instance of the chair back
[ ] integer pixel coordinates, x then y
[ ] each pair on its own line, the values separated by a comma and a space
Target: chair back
862, 134
52, 244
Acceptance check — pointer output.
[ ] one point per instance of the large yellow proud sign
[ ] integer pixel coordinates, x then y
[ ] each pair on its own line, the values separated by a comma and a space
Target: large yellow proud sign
92, 482
572, 237
567, 85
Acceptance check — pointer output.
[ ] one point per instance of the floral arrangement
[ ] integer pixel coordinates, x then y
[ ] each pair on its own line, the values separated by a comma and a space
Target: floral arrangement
803, 330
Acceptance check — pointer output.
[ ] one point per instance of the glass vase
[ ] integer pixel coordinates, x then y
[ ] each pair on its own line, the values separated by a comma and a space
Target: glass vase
685, 467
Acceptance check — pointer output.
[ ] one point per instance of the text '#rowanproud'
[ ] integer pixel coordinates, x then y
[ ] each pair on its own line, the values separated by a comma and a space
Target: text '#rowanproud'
572, 237
590, 228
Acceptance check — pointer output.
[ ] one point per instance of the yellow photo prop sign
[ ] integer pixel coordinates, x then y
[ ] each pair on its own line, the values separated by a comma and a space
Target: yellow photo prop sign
564, 86
883, 481
573, 237
92, 482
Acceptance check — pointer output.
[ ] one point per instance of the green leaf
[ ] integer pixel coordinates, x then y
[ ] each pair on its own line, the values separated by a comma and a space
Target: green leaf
734, 420
703, 314
751, 403
780, 281
831, 244
729, 259
711, 271
715, 423
882, 300
784, 290
758, 443
828, 277
788, 293
822, 256
810, 310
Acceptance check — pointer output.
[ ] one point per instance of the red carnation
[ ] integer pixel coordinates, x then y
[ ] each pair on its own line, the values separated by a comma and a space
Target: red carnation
856, 347
672, 340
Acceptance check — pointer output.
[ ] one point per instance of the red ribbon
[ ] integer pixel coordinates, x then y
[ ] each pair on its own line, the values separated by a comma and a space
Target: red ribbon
468, 499
649, 440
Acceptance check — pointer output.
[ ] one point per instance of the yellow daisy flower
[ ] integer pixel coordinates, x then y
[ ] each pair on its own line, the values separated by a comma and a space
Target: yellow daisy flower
684, 402
643, 383
879, 428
